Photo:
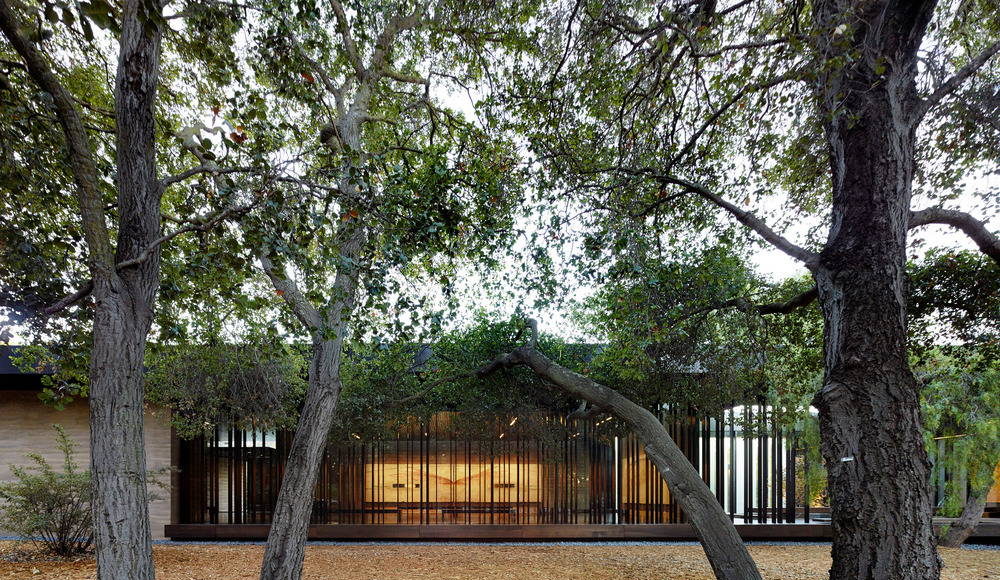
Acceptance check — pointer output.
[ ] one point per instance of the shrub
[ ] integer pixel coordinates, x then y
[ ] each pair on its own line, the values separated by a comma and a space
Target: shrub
49, 505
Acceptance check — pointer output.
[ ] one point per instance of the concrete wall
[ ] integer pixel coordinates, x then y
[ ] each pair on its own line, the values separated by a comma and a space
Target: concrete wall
26, 426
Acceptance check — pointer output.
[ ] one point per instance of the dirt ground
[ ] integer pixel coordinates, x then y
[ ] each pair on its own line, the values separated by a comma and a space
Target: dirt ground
483, 562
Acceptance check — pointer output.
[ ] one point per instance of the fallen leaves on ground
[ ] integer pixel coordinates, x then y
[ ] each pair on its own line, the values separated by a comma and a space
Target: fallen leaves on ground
485, 562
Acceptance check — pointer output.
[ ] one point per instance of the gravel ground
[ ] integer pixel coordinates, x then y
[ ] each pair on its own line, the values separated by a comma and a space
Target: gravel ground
484, 562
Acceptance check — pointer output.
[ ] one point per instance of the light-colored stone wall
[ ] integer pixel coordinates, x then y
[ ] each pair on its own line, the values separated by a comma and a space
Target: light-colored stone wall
26, 426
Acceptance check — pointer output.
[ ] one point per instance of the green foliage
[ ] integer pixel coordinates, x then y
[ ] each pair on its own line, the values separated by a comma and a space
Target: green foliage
961, 409
955, 299
49, 505
633, 110
65, 372
955, 346
385, 384
669, 337
793, 360
686, 332
42, 254
433, 189
810, 472
252, 386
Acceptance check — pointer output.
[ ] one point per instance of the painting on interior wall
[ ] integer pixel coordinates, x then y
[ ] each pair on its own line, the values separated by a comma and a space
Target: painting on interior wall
452, 482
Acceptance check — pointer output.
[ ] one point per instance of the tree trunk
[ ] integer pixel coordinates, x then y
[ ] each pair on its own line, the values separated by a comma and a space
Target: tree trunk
723, 546
955, 534
289, 530
870, 424
118, 458
124, 301
290, 525
123, 297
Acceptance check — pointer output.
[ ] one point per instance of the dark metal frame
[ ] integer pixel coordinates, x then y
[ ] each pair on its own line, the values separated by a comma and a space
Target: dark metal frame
580, 477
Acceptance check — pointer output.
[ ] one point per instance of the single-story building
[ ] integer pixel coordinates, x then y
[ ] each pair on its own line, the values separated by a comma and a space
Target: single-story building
26, 425
513, 477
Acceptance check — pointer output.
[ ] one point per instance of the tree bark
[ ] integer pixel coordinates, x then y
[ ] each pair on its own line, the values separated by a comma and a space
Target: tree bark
869, 404
118, 459
286, 539
289, 529
124, 302
955, 534
123, 299
723, 546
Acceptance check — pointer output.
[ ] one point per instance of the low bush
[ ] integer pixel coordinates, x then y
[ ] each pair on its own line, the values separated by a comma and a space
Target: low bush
50, 505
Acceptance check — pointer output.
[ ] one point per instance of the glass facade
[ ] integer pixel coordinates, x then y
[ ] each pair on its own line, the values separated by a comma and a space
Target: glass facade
501, 470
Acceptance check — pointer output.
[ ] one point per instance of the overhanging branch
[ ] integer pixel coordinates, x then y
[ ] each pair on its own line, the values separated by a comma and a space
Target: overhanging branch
202, 169
748, 219
725, 550
69, 300
988, 242
403, 77
195, 225
794, 303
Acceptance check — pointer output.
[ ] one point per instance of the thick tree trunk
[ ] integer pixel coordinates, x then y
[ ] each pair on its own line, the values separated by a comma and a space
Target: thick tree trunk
118, 458
723, 546
870, 424
290, 525
869, 405
955, 534
289, 530
124, 300
123, 297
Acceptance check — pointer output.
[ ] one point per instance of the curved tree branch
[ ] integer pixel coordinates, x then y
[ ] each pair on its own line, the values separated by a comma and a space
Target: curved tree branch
69, 300
956, 80
792, 304
810, 259
350, 47
195, 225
726, 552
78, 142
383, 44
289, 291
987, 241
403, 77
202, 169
